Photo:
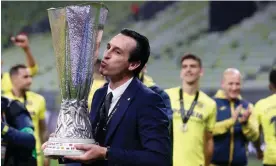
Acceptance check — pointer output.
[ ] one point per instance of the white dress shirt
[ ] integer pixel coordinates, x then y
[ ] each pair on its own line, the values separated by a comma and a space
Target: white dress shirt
117, 93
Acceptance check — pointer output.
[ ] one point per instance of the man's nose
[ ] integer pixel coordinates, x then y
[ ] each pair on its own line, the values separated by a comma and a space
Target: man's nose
188, 69
234, 87
107, 54
30, 79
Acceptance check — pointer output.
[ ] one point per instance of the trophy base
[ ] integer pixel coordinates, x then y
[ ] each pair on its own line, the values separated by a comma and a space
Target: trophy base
59, 147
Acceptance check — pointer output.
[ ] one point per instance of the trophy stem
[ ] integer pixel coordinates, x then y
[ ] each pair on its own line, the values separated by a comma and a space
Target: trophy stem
73, 120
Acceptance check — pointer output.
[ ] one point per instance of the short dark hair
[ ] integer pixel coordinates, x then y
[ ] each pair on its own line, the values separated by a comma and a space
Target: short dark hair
191, 56
141, 52
272, 77
14, 69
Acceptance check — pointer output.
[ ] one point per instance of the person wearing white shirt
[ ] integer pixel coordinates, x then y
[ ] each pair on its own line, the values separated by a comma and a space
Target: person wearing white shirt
129, 124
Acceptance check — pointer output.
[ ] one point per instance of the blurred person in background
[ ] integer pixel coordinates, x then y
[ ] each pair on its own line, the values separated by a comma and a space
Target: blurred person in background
17, 139
148, 81
265, 110
135, 11
235, 125
21, 81
21, 41
194, 117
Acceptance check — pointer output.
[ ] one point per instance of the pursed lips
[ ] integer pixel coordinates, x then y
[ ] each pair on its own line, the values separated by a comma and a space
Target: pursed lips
103, 64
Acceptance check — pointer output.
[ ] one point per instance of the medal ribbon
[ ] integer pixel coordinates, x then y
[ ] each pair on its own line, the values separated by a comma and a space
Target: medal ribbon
185, 118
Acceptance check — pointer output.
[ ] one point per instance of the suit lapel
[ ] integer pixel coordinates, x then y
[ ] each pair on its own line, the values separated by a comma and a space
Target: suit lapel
124, 103
97, 102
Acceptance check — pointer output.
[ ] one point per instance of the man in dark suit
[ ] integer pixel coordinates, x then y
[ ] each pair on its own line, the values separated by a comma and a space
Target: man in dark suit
128, 119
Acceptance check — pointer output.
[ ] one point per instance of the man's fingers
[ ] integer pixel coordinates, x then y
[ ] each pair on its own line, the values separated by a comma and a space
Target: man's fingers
76, 158
246, 114
21, 37
239, 108
72, 157
52, 135
83, 147
44, 145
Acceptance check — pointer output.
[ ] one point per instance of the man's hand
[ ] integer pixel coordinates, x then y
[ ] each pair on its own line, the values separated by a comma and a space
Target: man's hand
44, 145
236, 113
245, 116
260, 154
92, 152
21, 41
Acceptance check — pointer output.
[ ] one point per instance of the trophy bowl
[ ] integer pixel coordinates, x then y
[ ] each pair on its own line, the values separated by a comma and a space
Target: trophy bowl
76, 35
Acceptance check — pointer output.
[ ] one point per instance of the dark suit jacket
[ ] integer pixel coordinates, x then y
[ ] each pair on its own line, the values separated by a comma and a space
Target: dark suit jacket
138, 132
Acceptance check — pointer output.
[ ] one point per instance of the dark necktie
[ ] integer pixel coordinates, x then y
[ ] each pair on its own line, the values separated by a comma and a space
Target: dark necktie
100, 135
107, 103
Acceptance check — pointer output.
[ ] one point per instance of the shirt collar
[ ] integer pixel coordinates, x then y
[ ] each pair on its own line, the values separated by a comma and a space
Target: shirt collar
119, 90
221, 94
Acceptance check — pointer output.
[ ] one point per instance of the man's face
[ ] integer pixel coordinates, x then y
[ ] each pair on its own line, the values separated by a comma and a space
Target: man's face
115, 60
231, 84
190, 71
22, 80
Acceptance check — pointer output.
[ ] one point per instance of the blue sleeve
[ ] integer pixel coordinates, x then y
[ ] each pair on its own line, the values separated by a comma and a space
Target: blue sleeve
22, 135
167, 102
154, 134
165, 98
23, 120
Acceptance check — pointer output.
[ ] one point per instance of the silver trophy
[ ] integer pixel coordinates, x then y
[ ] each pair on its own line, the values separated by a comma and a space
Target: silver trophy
76, 32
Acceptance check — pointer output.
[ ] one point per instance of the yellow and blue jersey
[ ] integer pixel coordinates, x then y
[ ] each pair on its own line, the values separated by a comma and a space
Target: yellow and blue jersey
265, 110
36, 106
17, 133
230, 137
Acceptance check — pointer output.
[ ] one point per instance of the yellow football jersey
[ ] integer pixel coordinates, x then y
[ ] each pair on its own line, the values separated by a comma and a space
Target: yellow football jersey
265, 110
6, 84
36, 106
97, 83
148, 81
188, 146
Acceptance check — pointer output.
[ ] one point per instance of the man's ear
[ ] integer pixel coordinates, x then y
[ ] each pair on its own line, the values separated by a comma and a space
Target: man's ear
134, 65
201, 72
